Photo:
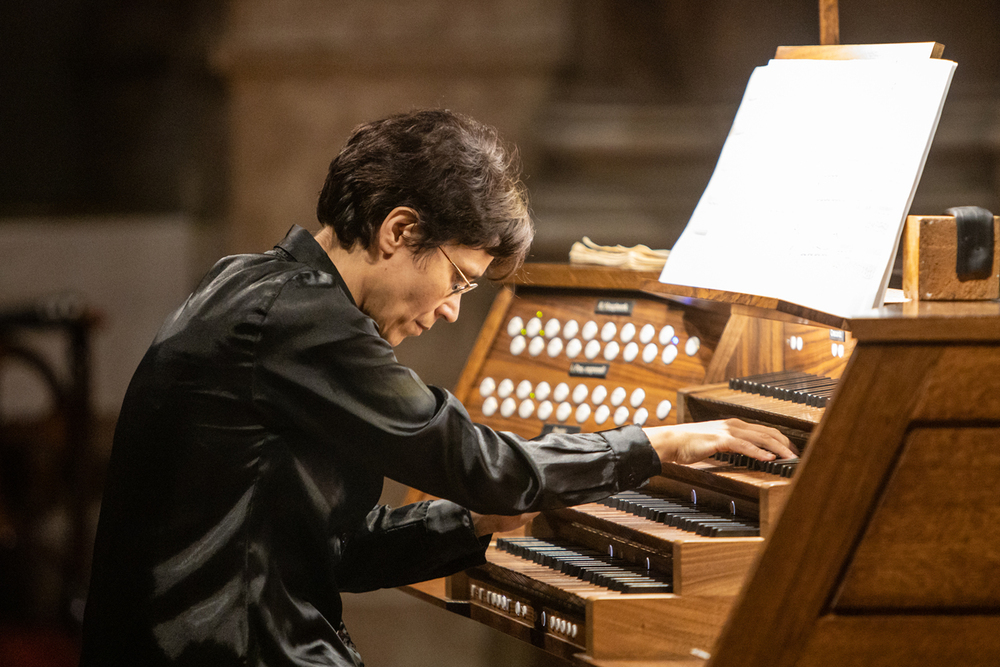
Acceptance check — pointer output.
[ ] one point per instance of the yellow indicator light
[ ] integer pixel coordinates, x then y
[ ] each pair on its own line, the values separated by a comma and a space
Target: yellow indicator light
538, 314
524, 332
542, 332
531, 395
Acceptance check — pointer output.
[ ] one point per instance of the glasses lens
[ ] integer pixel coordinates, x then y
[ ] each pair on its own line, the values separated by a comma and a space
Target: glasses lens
458, 289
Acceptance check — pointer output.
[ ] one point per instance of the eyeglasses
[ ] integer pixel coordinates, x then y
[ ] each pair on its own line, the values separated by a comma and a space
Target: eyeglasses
459, 289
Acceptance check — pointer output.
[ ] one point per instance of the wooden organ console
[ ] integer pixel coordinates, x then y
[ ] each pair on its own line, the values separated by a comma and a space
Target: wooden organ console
888, 542
593, 348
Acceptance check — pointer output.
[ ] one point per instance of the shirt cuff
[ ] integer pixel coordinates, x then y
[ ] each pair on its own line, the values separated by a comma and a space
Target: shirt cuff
637, 460
456, 533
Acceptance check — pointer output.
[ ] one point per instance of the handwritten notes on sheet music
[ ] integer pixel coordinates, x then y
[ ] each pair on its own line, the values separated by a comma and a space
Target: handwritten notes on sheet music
808, 199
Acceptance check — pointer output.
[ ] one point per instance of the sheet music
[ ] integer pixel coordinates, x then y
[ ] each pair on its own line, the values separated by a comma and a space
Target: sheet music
811, 190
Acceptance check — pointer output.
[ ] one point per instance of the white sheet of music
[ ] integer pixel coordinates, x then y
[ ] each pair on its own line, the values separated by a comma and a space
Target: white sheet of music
811, 190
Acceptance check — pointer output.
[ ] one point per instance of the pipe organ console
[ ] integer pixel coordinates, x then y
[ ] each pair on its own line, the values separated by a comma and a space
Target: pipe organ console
652, 572
886, 548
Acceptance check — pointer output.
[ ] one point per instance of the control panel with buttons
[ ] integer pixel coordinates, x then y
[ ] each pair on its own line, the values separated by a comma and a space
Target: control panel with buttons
588, 361
572, 356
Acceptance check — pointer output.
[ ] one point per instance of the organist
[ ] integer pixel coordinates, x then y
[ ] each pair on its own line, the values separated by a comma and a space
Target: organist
255, 435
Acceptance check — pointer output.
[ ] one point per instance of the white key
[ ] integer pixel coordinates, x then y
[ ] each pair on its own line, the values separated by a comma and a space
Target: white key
582, 413
536, 346
669, 354
641, 415
542, 391
646, 333
592, 350
526, 408
611, 351
628, 332
638, 396
573, 348
618, 396
692, 346
601, 414
552, 328
666, 335
560, 393
523, 389
570, 329
517, 344
580, 392
563, 412
487, 386
555, 347
508, 407
514, 326
608, 331
599, 394
589, 330
545, 410
663, 409
621, 416
505, 388
490, 406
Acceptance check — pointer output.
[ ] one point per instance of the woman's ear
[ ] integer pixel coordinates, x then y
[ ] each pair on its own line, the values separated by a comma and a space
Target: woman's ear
395, 230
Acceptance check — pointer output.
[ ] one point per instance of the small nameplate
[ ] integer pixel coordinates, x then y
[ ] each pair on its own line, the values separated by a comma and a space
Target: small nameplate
560, 429
583, 369
612, 307
838, 335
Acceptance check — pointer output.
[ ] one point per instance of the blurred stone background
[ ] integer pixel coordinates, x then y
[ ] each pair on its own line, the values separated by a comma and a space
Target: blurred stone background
142, 140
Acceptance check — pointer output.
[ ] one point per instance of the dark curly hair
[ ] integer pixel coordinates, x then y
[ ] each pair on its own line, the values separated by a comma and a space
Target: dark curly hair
453, 171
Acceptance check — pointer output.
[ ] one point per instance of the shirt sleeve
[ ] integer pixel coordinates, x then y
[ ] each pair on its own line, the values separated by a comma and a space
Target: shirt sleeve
405, 545
323, 371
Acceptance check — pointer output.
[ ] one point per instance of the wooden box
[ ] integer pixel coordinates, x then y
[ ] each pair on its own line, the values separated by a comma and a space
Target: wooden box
929, 257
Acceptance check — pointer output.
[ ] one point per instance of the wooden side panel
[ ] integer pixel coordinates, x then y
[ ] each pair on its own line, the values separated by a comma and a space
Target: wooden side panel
904, 641
965, 385
646, 627
718, 567
934, 541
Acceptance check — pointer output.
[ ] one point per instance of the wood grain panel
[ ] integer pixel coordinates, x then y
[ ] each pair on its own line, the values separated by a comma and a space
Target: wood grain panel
903, 641
934, 541
643, 627
964, 385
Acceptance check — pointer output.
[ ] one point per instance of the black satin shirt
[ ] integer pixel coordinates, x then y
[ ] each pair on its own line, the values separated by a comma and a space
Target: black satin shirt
248, 462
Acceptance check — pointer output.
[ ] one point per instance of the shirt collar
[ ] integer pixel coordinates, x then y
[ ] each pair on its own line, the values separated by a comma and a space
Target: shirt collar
302, 247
